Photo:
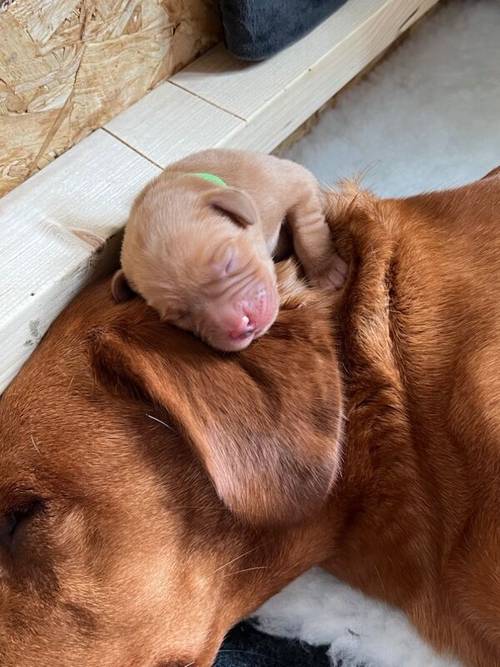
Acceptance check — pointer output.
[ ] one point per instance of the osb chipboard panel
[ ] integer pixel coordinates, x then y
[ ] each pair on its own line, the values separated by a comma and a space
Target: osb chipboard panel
68, 66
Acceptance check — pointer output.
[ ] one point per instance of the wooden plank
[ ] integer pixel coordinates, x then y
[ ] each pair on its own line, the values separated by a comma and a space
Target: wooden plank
90, 188
359, 29
219, 101
170, 123
268, 126
51, 228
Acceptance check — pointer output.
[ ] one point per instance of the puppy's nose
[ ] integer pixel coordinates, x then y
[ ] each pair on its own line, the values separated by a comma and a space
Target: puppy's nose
242, 328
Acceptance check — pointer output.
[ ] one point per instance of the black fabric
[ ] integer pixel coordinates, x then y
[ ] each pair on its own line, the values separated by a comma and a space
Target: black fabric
257, 29
245, 646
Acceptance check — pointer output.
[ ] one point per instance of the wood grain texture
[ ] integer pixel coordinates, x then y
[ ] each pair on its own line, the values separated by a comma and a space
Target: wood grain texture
244, 89
234, 104
170, 123
68, 66
55, 237
296, 101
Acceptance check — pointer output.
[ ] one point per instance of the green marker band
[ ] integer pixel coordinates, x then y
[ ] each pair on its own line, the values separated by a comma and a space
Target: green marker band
211, 178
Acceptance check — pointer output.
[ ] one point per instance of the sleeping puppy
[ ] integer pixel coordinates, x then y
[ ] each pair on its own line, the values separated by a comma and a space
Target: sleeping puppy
200, 241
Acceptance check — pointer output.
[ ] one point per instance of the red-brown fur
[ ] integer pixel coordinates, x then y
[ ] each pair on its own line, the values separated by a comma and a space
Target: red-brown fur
120, 431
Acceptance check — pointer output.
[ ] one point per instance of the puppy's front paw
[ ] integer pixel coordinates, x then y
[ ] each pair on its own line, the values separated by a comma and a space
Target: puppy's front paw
333, 276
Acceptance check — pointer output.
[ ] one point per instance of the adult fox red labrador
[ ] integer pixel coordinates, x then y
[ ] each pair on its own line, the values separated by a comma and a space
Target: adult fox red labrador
154, 491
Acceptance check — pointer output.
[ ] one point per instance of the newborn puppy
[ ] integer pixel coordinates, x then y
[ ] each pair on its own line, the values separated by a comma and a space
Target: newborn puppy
200, 240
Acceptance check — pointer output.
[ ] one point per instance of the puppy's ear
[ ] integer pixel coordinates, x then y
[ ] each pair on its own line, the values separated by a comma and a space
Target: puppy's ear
265, 422
235, 203
120, 289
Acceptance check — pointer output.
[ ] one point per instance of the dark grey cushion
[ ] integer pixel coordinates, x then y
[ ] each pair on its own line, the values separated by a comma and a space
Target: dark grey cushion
245, 646
257, 29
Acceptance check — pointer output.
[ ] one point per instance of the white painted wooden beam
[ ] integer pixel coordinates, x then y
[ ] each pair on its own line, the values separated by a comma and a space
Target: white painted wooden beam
170, 123
50, 228
256, 106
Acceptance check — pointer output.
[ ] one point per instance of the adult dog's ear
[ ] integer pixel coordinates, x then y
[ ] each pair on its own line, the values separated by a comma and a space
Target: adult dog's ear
265, 422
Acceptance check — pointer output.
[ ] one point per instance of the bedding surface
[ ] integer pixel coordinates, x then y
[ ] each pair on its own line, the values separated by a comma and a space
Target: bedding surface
246, 646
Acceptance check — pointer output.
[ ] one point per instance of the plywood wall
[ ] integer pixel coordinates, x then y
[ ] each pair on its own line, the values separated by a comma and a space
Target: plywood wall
68, 66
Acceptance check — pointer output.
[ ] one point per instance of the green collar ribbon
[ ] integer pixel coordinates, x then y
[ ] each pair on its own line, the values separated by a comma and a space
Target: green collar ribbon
211, 178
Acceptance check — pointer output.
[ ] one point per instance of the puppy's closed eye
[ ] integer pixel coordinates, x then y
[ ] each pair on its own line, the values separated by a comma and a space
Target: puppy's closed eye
224, 262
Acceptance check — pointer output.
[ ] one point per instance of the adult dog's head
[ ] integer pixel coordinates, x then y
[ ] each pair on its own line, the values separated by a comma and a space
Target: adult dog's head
154, 491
